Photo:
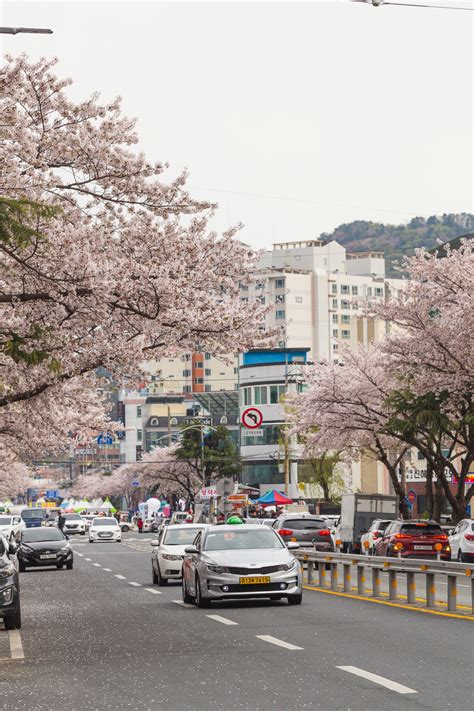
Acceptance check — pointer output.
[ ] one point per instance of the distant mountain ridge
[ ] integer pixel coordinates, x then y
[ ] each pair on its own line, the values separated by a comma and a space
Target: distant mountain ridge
396, 241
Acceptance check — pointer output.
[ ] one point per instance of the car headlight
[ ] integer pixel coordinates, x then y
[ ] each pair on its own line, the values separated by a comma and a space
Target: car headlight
7, 571
288, 566
167, 556
25, 548
66, 547
217, 569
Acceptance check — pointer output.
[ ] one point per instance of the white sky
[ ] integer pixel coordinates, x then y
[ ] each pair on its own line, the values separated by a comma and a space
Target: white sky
295, 117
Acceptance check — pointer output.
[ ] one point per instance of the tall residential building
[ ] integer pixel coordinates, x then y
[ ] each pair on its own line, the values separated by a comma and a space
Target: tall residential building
198, 372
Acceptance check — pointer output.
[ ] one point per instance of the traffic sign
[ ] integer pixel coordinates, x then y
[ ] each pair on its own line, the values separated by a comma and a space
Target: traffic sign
135, 483
104, 438
252, 418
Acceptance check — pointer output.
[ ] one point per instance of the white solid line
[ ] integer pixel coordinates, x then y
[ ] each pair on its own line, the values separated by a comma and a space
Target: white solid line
183, 604
121, 577
155, 592
16, 647
393, 685
88, 559
278, 642
109, 570
81, 554
224, 620
97, 565
135, 585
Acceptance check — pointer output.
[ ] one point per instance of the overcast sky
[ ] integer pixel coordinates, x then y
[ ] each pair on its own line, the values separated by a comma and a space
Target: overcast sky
294, 117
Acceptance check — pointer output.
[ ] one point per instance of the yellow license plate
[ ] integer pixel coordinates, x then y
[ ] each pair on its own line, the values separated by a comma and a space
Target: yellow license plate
255, 581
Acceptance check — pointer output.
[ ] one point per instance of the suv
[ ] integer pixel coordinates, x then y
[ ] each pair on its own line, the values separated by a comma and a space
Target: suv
9, 586
307, 530
375, 532
74, 524
461, 541
413, 539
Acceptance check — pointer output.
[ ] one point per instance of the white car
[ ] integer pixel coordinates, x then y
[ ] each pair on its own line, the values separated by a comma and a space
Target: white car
105, 529
74, 524
462, 541
168, 551
11, 527
375, 532
88, 518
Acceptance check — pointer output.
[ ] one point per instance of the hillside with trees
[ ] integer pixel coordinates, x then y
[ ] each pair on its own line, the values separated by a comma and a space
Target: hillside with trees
399, 240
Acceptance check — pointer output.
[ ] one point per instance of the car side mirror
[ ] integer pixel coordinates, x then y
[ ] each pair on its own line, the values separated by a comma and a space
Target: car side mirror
191, 550
155, 544
292, 545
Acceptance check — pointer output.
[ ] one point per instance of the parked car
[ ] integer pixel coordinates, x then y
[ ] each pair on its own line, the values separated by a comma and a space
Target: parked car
44, 546
375, 532
126, 526
10, 610
179, 517
416, 539
104, 529
240, 561
11, 527
461, 541
159, 523
74, 524
307, 530
167, 552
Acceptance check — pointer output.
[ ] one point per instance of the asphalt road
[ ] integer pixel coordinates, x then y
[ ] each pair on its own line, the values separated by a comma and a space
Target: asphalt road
103, 637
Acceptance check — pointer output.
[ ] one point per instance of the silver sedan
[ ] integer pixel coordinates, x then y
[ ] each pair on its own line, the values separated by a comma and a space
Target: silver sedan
240, 561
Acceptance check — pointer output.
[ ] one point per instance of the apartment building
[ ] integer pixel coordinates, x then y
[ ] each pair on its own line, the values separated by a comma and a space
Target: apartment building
198, 372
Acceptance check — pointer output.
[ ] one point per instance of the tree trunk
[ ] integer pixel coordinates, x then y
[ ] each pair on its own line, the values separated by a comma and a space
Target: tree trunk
438, 500
429, 489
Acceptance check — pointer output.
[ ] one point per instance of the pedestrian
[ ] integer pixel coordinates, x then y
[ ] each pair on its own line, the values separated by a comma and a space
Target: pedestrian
140, 524
61, 521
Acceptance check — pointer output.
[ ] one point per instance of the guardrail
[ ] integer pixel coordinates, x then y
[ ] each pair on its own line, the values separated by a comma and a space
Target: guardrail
318, 563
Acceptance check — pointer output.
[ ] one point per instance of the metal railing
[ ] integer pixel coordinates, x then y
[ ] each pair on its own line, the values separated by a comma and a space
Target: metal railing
318, 563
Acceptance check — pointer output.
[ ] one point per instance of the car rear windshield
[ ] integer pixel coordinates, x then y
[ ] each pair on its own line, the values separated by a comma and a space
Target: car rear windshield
72, 517
180, 536
423, 529
5, 520
33, 535
304, 524
104, 522
241, 539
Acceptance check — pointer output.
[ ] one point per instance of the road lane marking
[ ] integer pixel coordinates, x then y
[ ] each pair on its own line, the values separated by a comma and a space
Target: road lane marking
277, 642
224, 620
81, 554
16, 647
155, 592
109, 570
121, 577
183, 604
135, 585
97, 565
388, 683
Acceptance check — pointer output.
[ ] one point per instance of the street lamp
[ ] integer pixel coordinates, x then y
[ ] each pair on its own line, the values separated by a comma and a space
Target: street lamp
25, 30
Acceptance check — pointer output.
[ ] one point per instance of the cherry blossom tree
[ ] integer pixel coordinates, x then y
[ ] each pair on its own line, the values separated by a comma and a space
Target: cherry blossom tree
120, 265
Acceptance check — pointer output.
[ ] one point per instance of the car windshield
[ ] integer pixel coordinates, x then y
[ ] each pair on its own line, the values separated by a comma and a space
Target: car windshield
33, 535
72, 517
382, 525
5, 520
421, 529
32, 513
180, 536
104, 522
242, 539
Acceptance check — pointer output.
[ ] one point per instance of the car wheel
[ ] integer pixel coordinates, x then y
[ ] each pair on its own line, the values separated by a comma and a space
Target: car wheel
160, 578
154, 576
187, 598
22, 567
59, 566
201, 601
91, 541
295, 599
464, 557
126, 528
83, 533
119, 540
12, 621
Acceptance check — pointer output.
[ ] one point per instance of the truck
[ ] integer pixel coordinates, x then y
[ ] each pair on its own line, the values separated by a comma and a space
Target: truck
357, 513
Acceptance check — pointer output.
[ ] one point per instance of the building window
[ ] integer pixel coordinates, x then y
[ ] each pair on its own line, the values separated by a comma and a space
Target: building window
139, 410
247, 396
198, 381
198, 364
355, 291
244, 298
280, 299
139, 435
355, 307
345, 333
236, 371
369, 291
187, 356
279, 283
186, 373
260, 285
334, 303
280, 314
345, 304
261, 298
345, 318
276, 392
420, 455
344, 289
207, 356
335, 333
243, 287
208, 388
260, 395
334, 318
333, 288
207, 371
335, 347
299, 299
187, 389
378, 291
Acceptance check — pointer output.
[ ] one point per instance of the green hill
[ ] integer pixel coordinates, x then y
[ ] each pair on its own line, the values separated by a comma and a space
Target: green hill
399, 240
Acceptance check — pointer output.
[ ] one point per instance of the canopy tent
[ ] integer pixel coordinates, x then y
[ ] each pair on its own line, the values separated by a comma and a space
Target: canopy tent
107, 506
274, 497
82, 505
65, 504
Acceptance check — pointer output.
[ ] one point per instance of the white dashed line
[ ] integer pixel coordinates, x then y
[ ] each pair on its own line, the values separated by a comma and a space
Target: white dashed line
224, 620
183, 604
277, 642
81, 554
155, 592
109, 570
121, 577
135, 585
97, 565
392, 685
16, 647
88, 559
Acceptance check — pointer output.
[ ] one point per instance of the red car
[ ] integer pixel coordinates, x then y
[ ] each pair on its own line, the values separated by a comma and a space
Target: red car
413, 539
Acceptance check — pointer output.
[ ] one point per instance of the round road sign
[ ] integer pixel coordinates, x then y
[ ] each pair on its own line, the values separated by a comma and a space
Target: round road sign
252, 418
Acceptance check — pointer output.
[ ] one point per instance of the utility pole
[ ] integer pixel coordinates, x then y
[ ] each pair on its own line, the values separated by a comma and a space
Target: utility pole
25, 30
169, 426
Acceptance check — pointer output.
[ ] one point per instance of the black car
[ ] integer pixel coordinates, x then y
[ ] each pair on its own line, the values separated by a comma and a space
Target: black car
44, 546
9, 586
309, 531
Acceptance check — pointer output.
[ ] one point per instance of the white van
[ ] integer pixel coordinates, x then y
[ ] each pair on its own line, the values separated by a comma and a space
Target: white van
179, 517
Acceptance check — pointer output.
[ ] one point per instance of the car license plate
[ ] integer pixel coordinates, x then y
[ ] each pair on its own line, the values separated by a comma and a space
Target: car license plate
423, 548
259, 579
48, 557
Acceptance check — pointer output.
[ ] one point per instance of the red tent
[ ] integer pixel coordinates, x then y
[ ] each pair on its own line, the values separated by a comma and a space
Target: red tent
274, 497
